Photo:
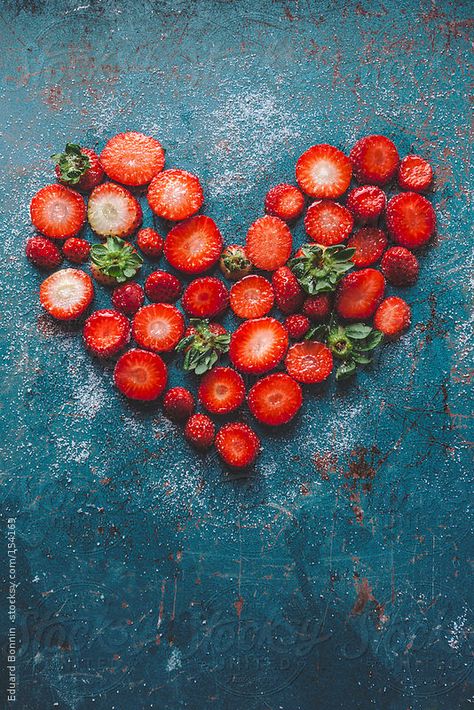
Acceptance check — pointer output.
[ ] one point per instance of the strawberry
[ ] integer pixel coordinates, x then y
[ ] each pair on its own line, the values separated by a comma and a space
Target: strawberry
289, 295
284, 201
202, 344
214, 329
415, 174
76, 250
251, 297
200, 431
132, 158
351, 344
258, 345
78, 167
66, 294
269, 243
140, 375
411, 220
43, 253
309, 362
206, 297
150, 242
128, 298
178, 404
237, 445
374, 160
175, 195
106, 332
114, 262
400, 266
359, 294
162, 287
392, 317
297, 326
369, 244
221, 390
113, 211
323, 171
328, 223
319, 269
366, 203
58, 212
194, 246
234, 263
317, 308
158, 327
276, 399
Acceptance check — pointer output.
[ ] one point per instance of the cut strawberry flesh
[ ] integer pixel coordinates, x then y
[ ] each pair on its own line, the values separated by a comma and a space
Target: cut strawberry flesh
140, 375
205, 298
175, 194
415, 173
276, 399
106, 332
132, 158
359, 294
369, 244
237, 445
323, 171
374, 160
66, 294
392, 316
328, 223
309, 362
284, 201
194, 246
411, 220
58, 212
158, 327
113, 211
221, 390
251, 297
258, 345
269, 243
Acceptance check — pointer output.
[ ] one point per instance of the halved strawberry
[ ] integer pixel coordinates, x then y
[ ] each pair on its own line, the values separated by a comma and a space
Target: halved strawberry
175, 194
374, 160
78, 167
269, 243
158, 327
369, 244
237, 445
194, 246
359, 293
66, 294
366, 202
411, 220
58, 212
221, 390
323, 171
252, 297
140, 375
289, 295
132, 158
415, 174
284, 201
113, 211
392, 317
206, 297
276, 399
309, 362
106, 332
258, 345
328, 223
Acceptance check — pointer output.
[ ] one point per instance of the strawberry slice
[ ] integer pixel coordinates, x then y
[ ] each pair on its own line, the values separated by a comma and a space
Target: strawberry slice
140, 375
258, 345
66, 294
194, 246
251, 297
276, 399
415, 174
374, 160
366, 202
106, 332
57, 211
369, 244
359, 293
284, 201
411, 220
158, 327
221, 390
175, 194
113, 211
328, 223
205, 298
323, 171
392, 317
269, 243
132, 158
309, 362
237, 445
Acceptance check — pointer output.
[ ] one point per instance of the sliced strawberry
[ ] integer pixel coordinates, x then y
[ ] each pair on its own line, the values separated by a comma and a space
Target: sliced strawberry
411, 220
297, 326
284, 201
234, 263
237, 445
276, 399
150, 242
175, 195
205, 298
258, 345
132, 158
392, 317
415, 174
400, 267
200, 431
78, 167
328, 223
66, 294
317, 307
252, 297
58, 212
289, 295
269, 243
309, 362
323, 171
113, 211
140, 375
163, 287
366, 203
158, 327
178, 404
43, 253
194, 246
369, 244
221, 390
106, 332
374, 160
359, 294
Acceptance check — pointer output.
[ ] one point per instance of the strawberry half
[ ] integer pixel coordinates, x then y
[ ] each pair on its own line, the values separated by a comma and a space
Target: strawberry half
78, 167
140, 375
158, 327
374, 160
194, 246
237, 445
205, 298
252, 297
66, 294
284, 201
58, 212
132, 158
106, 332
309, 362
269, 243
328, 223
113, 211
323, 171
221, 390
175, 195
258, 345
411, 220
276, 399
289, 295
415, 174
359, 294
366, 203
392, 317
369, 244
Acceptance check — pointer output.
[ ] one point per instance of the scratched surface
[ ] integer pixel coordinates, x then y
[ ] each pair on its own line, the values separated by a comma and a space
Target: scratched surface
336, 574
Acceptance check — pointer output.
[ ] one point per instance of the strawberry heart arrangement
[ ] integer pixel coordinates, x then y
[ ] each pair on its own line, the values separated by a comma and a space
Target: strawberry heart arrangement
329, 297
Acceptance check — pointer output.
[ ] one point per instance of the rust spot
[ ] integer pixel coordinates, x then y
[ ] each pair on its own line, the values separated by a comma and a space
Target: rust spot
238, 604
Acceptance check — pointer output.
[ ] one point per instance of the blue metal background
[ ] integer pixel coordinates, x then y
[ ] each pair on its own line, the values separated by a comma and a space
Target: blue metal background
336, 575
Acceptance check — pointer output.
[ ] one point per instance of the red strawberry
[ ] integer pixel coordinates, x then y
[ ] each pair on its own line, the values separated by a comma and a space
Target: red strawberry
158, 327
221, 390
234, 263
114, 262
284, 201
106, 332
194, 246
178, 404
163, 287
128, 298
328, 223
175, 195
366, 203
359, 293
289, 295
374, 160
369, 244
215, 328
57, 211
237, 445
251, 297
269, 243
258, 345
200, 431
276, 399
132, 158
323, 171
411, 220
309, 362
297, 326
392, 317
150, 242
400, 266
415, 174
76, 250
43, 253
113, 211
140, 375
78, 167
317, 307
205, 298
66, 294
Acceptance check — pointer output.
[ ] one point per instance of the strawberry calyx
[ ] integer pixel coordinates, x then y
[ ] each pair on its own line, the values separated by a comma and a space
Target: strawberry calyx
319, 269
116, 258
202, 348
235, 261
72, 164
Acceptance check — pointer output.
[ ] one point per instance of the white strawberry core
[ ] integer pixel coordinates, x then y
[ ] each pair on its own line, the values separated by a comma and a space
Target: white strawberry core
58, 209
324, 172
68, 291
159, 329
109, 213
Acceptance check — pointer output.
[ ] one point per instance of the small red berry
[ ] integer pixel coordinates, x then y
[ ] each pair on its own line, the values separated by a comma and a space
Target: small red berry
128, 298
200, 431
43, 253
400, 266
178, 404
76, 250
284, 201
317, 308
366, 202
415, 173
163, 287
297, 326
150, 242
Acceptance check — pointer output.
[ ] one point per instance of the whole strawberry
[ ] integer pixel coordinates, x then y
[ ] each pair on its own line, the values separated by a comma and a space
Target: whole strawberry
200, 431
76, 250
289, 295
150, 242
234, 263
78, 167
128, 298
400, 266
178, 404
317, 308
297, 326
114, 262
163, 287
43, 253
